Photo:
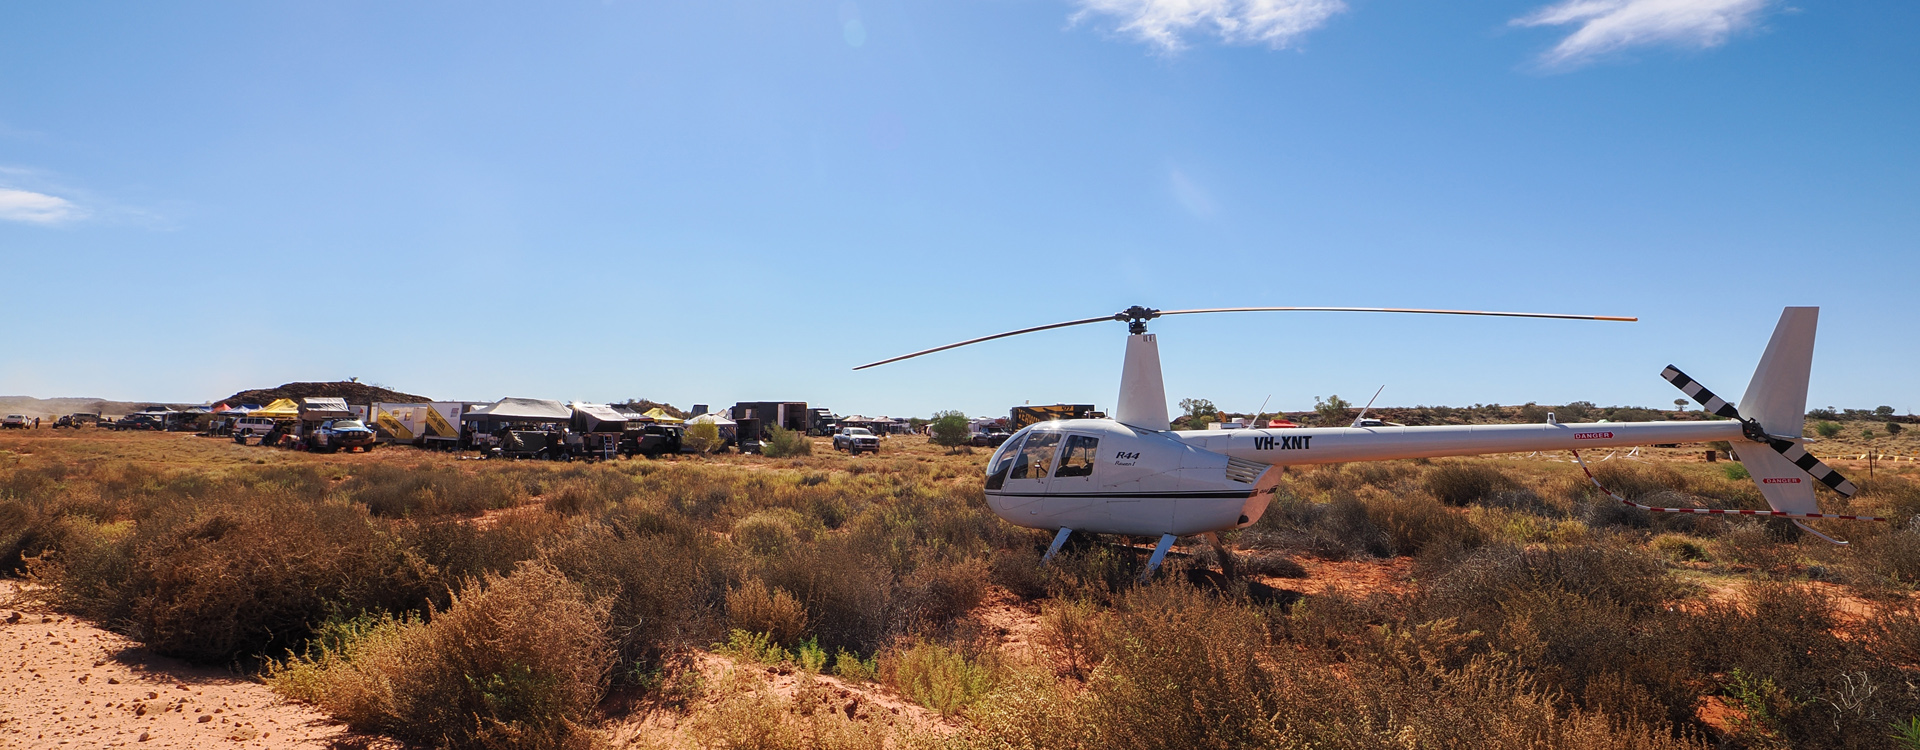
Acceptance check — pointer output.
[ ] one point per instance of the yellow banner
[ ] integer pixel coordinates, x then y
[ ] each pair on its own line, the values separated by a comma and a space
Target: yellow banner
393, 426
437, 424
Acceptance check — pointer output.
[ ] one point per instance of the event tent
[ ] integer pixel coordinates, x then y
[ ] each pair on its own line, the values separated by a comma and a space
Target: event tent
597, 418
523, 410
661, 415
281, 408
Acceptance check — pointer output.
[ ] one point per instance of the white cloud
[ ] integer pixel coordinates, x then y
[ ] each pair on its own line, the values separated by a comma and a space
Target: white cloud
36, 208
1609, 25
1166, 23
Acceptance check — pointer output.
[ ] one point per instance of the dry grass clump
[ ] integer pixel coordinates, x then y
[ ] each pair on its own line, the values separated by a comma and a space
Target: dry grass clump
749, 715
395, 491
1465, 483
516, 661
937, 676
756, 608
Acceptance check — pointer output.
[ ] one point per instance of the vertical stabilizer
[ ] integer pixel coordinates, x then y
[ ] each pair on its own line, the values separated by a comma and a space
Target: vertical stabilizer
1143, 397
1777, 396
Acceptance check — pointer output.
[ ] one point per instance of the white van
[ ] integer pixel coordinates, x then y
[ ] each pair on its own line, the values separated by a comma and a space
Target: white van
252, 426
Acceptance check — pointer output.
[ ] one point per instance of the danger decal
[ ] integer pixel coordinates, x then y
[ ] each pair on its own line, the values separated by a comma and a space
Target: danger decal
1592, 435
1780, 480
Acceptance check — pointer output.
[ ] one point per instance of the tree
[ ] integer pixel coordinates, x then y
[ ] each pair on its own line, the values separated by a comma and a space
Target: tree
1197, 407
1680, 403
702, 437
1883, 411
950, 429
1333, 411
1894, 428
1826, 429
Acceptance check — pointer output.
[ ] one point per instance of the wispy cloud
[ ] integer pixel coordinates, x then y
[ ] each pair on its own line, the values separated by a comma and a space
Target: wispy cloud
1166, 24
36, 208
1610, 25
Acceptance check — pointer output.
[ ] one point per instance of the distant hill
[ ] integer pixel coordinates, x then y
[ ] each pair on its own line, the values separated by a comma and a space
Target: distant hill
48, 408
355, 393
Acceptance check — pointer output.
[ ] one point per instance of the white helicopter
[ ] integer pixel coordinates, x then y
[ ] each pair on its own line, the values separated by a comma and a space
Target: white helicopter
1131, 475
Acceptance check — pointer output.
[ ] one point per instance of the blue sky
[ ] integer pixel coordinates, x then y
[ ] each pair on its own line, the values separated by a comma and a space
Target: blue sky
720, 201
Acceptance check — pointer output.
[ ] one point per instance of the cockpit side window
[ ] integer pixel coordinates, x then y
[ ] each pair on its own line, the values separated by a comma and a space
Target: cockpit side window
1077, 460
1036, 456
1003, 462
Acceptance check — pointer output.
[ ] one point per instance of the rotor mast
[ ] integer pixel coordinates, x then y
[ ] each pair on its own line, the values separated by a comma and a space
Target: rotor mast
1143, 394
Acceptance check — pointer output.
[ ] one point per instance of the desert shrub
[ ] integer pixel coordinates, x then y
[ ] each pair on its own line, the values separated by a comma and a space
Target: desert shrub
1819, 690
848, 665
1892, 557
1678, 547
1335, 530
1413, 523
1826, 429
764, 533
1464, 483
936, 676
936, 594
1070, 629
395, 491
664, 590
1271, 565
702, 438
1735, 471
785, 443
759, 648
234, 579
949, 429
516, 661
756, 608
847, 592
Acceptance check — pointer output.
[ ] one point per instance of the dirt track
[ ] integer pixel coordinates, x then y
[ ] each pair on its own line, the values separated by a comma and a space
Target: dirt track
72, 685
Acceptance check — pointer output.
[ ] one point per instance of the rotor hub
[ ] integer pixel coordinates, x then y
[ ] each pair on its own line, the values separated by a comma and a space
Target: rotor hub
1136, 318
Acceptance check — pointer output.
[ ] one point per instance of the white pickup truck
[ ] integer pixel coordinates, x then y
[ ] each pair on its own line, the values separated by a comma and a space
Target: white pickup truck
856, 439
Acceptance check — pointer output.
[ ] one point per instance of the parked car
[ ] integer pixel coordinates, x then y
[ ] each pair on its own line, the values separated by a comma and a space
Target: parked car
252, 426
652, 440
16, 422
989, 439
335, 434
853, 440
77, 420
137, 422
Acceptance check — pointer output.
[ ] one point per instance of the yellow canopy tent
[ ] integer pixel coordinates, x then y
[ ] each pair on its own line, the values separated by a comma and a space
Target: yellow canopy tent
661, 415
281, 408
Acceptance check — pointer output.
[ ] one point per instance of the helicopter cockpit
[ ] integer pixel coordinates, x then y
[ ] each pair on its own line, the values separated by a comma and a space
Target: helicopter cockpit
1039, 453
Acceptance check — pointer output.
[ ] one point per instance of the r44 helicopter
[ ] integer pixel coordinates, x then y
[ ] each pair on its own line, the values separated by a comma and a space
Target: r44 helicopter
1130, 475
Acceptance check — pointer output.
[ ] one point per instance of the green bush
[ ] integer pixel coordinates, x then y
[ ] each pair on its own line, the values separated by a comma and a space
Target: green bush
785, 443
950, 429
1735, 471
935, 676
702, 438
1826, 429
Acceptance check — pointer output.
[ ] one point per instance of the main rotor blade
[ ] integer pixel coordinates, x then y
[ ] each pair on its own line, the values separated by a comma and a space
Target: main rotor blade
1400, 310
1103, 318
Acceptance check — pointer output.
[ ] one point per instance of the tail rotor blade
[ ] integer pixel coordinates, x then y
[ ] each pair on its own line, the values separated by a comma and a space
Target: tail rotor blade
1812, 466
1698, 392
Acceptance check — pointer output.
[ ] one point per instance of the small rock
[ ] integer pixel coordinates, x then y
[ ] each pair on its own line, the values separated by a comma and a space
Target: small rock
204, 718
144, 736
13, 617
45, 619
113, 680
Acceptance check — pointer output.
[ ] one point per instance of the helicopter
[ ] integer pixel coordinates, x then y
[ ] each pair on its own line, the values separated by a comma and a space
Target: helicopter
1130, 475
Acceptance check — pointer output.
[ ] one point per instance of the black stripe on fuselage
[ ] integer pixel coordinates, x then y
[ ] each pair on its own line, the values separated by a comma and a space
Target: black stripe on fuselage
1222, 495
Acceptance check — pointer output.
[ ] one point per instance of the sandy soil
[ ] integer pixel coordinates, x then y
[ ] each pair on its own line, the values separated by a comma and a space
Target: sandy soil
69, 684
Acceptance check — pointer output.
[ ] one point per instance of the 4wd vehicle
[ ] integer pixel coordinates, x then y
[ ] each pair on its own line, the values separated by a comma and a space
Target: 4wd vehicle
988, 439
77, 420
251, 426
334, 434
137, 422
856, 439
16, 422
652, 441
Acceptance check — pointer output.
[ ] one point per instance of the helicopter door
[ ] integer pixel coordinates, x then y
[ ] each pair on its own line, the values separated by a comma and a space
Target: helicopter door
1074, 475
1033, 463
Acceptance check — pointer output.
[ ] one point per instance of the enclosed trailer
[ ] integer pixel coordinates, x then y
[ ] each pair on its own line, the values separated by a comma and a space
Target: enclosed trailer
403, 424
792, 415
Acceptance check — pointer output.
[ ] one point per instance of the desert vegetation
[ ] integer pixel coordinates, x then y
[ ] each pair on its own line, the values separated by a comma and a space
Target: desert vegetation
824, 601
